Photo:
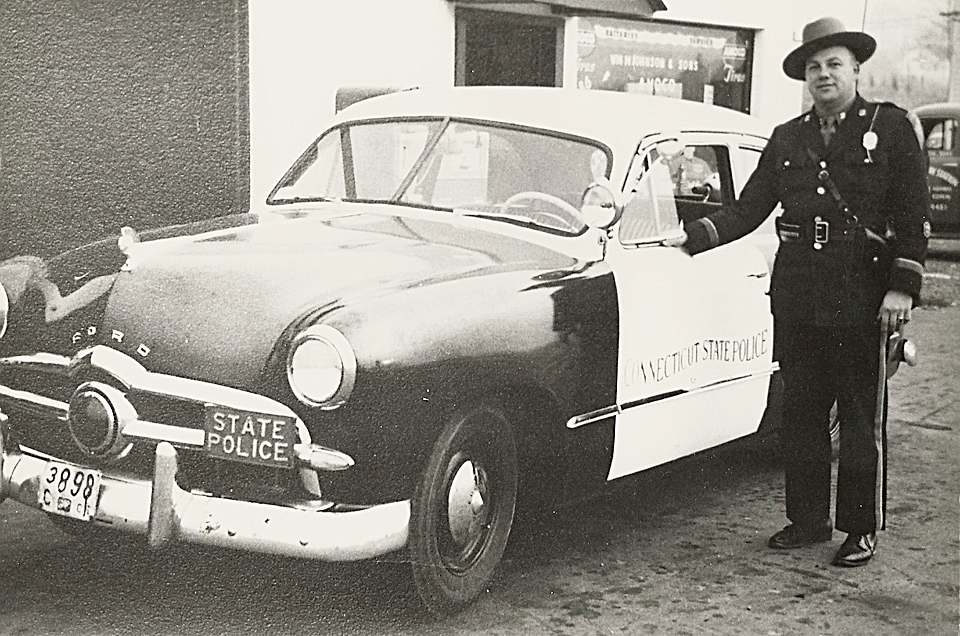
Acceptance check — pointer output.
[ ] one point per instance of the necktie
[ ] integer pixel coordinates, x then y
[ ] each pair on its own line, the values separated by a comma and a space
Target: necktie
828, 126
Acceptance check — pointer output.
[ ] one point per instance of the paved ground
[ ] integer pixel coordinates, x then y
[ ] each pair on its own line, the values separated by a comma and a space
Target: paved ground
678, 550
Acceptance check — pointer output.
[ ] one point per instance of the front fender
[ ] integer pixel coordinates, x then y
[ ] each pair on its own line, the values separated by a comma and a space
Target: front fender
547, 344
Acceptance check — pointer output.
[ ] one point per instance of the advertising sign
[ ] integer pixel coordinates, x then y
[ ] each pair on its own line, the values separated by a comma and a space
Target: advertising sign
704, 64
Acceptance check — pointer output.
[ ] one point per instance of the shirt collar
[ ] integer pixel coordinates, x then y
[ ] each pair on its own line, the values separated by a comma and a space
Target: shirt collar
841, 116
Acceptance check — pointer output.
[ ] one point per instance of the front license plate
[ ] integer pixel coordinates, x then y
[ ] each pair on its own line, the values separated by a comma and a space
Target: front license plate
245, 436
68, 490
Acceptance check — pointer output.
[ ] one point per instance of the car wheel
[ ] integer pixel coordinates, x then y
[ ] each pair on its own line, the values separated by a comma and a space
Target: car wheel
463, 508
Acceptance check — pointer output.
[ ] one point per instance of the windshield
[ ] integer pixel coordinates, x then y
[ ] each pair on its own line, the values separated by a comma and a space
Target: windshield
518, 175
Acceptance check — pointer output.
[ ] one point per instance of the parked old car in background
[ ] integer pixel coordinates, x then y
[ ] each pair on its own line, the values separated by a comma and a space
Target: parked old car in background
455, 302
941, 140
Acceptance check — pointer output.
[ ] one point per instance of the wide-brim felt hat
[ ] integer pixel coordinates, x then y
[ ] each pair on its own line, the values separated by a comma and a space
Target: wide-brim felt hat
824, 33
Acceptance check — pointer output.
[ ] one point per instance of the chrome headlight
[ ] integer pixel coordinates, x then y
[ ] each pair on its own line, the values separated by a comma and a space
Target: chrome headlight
321, 367
4, 310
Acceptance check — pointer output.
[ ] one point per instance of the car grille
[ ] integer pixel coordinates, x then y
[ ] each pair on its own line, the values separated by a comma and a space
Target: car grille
40, 423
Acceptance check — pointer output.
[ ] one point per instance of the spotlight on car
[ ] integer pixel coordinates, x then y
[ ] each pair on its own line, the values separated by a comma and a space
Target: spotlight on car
321, 367
601, 204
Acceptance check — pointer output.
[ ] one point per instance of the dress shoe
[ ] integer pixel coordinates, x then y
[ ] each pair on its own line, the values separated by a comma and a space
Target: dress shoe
857, 549
796, 536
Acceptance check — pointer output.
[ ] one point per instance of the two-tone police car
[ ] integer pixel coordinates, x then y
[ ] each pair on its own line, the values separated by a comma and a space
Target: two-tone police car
455, 301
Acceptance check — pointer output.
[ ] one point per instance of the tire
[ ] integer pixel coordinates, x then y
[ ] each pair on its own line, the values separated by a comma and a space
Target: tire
463, 508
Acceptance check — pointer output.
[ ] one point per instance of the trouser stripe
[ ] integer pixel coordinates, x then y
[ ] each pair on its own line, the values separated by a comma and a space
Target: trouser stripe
878, 420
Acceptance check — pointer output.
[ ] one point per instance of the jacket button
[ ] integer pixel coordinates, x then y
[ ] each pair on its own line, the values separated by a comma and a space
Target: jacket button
821, 190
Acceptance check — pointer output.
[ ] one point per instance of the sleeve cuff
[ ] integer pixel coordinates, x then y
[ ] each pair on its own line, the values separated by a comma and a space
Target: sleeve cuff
906, 275
701, 236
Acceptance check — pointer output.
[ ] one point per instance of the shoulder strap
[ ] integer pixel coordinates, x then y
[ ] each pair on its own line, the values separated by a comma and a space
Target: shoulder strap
827, 180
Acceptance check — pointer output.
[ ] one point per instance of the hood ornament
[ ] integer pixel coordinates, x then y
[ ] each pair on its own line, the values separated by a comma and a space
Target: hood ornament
128, 238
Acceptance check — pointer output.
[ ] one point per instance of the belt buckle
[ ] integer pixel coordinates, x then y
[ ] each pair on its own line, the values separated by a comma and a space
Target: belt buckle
821, 234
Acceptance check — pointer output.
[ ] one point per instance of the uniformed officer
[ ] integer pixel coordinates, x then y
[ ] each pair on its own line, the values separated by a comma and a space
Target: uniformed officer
849, 175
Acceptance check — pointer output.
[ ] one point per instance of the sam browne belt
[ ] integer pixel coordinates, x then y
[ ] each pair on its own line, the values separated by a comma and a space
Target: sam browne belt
818, 232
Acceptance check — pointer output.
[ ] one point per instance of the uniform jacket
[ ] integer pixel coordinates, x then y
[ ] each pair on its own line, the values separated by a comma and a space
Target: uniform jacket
881, 177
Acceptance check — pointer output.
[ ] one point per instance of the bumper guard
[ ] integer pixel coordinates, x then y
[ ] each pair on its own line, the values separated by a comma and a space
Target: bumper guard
165, 513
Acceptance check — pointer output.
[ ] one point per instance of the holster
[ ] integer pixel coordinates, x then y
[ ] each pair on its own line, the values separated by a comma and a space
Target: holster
877, 248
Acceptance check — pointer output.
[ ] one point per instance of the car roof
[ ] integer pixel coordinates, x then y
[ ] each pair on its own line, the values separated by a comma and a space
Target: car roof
607, 116
945, 109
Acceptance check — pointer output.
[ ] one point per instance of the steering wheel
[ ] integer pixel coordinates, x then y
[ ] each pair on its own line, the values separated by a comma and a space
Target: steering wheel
704, 190
542, 196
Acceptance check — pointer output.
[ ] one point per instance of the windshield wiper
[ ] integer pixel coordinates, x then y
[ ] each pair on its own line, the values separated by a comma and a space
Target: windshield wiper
301, 200
411, 204
498, 216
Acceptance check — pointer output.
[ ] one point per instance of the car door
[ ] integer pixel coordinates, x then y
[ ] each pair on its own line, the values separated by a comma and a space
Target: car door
696, 334
943, 172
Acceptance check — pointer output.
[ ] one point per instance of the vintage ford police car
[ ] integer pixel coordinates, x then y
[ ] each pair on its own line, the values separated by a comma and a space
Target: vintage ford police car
455, 301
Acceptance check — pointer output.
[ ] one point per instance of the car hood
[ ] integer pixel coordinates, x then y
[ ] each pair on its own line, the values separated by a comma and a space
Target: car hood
213, 305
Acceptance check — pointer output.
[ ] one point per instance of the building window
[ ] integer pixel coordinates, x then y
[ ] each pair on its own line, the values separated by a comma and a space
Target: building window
507, 49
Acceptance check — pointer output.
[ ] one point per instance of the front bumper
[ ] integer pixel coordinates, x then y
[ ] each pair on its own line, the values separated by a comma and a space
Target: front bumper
165, 513
152, 503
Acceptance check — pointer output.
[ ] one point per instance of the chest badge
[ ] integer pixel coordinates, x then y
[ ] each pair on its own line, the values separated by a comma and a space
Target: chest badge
869, 143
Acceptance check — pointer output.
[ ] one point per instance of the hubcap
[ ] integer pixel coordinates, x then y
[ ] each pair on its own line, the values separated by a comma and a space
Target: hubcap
468, 510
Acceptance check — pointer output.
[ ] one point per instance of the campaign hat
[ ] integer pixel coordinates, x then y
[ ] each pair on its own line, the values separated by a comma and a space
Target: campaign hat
824, 33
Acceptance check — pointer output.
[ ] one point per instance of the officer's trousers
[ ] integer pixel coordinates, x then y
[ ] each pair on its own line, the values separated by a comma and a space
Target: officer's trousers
819, 366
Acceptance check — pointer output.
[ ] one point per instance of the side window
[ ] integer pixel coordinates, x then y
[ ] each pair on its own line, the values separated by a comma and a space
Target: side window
651, 210
694, 173
940, 137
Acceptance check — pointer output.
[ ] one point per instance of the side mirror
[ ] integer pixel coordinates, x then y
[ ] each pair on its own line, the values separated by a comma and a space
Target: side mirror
601, 204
